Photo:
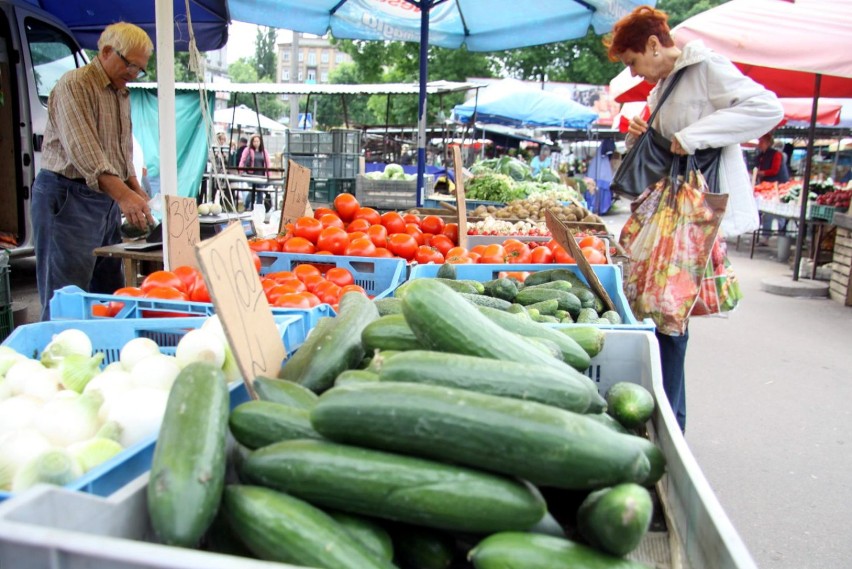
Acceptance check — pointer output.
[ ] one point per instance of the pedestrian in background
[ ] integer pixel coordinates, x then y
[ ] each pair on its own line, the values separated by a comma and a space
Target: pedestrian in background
256, 160
87, 178
771, 166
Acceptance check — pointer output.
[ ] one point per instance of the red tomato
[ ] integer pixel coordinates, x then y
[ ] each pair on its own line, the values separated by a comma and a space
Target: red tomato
383, 252
411, 218
263, 245
561, 256
542, 254
432, 224
165, 293
442, 243
415, 232
457, 252
299, 245
494, 253
312, 281
115, 307
358, 225
160, 279
362, 247
101, 310
378, 235
331, 220
426, 254
403, 245
256, 260
478, 249
308, 228
451, 230
393, 222
330, 294
340, 276
282, 238
187, 275
333, 240
352, 288
593, 256
302, 270
313, 299
474, 256
459, 260
358, 235
519, 276
267, 284
517, 251
291, 300
321, 211
369, 214
199, 292
280, 276
346, 206
593, 242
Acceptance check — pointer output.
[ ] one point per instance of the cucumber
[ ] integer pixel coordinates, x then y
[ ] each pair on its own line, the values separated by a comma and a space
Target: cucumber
587, 316
572, 353
506, 379
278, 527
656, 459
546, 319
378, 360
607, 420
548, 275
630, 404
590, 338
613, 316
549, 306
536, 442
517, 309
514, 550
586, 296
396, 487
188, 468
423, 548
284, 392
388, 305
355, 375
367, 532
553, 285
504, 289
389, 333
332, 347
566, 300
548, 525
490, 301
561, 315
545, 345
616, 519
480, 287
446, 271
256, 424
458, 286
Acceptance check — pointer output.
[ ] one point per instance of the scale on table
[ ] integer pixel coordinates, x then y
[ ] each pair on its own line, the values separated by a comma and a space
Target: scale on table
214, 224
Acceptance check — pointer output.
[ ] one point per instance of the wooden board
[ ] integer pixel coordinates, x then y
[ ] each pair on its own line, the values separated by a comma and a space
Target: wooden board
183, 231
565, 237
234, 285
296, 195
461, 205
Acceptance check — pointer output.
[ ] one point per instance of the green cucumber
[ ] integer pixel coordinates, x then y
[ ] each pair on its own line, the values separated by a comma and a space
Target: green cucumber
630, 404
396, 487
389, 333
548, 525
515, 550
616, 519
572, 353
490, 301
256, 424
549, 306
458, 286
536, 442
517, 309
562, 314
586, 296
503, 288
278, 527
507, 379
446, 271
543, 344
284, 392
480, 287
553, 285
355, 375
566, 300
388, 305
188, 468
608, 421
423, 548
546, 319
333, 347
613, 316
590, 338
587, 316
656, 459
378, 360
367, 532
548, 275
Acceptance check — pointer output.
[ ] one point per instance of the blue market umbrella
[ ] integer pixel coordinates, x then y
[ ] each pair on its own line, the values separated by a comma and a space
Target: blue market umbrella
479, 25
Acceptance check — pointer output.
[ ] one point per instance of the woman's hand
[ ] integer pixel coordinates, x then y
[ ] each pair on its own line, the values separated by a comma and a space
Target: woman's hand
637, 126
676, 148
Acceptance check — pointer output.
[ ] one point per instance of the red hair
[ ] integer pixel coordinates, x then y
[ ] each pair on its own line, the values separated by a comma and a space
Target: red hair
633, 30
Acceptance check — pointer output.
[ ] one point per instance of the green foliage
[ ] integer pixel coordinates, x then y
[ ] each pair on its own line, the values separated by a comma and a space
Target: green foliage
330, 107
245, 71
183, 73
264, 53
680, 10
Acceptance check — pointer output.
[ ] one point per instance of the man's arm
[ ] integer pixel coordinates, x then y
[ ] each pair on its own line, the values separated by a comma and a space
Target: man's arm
133, 205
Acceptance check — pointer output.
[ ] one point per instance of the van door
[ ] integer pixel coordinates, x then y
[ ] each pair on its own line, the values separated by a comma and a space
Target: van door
11, 207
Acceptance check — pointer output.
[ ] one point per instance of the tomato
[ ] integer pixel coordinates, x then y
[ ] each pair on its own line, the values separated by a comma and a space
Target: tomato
331, 220
432, 224
478, 249
369, 214
411, 218
330, 294
340, 276
358, 235
542, 254
593, 256
165, 293
451, 230
302, 270
517, 251
403, 245
312, 299
346, 206
308, 228
426, 254
457, 252
333, 240
415, 232
291, 300
256, 260
552, 244
282, 238
299, 245
321, 211
358, 225
115, 307
383, 252
101, 310
361, 247
312, 281
263, 245
494, 253
442, 243
199, 292
459, 260
280, 276
593, 242
352, 288
561, 256
187, 276
160, 279
519, 276
267, 284
378, 235
393, 222
474, 256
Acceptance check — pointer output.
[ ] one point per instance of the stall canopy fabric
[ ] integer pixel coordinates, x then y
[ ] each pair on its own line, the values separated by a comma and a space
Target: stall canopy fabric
514, 103
242, 116
88, 18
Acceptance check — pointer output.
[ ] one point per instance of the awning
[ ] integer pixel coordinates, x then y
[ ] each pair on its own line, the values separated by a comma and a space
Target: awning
432, 88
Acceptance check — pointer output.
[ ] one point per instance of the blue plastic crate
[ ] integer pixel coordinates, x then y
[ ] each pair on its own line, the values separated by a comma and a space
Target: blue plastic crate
108, 337
377, 275
73, 303
608, 275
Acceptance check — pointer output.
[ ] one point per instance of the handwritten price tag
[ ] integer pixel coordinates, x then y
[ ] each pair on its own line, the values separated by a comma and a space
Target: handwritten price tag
237, 294
461, 205
296, 196
184, 231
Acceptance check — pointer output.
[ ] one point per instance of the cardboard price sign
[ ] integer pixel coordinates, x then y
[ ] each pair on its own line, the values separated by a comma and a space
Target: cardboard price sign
296, 195
237, 294
184, 231
565, 237
461, 205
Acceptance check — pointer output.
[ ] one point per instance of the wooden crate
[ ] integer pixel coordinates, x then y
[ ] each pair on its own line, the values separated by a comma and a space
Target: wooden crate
840, 287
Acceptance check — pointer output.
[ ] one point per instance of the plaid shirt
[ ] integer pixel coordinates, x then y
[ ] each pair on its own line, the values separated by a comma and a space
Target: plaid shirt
88, 130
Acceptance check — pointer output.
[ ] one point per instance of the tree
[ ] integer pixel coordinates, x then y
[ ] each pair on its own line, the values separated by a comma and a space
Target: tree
264, 53
680, 10
330, 107
183, 73
244, 71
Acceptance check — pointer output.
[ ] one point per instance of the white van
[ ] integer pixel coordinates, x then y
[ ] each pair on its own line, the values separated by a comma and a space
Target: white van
36, 49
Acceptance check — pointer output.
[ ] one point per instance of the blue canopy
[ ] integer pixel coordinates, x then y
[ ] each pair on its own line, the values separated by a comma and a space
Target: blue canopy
513, 103
88, 18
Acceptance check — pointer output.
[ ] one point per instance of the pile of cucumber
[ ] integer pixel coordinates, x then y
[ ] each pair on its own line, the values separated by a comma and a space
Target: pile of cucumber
431, 438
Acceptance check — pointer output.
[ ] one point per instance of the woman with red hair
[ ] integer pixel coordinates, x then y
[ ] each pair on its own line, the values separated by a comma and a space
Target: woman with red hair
712, 105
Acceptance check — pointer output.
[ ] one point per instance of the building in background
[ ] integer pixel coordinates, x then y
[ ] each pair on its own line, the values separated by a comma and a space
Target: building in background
317, 59
216, 71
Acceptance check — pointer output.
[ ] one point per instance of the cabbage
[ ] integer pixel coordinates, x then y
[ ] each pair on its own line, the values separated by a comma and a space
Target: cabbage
394, 172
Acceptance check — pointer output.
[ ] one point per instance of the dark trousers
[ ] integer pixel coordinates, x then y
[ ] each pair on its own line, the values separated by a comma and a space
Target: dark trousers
70, 220
672, 358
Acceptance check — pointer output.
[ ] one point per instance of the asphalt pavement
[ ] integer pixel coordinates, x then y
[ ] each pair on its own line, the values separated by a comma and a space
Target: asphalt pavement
769, 420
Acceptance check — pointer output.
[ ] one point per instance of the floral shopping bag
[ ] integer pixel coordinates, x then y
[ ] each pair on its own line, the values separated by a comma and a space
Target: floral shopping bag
720, 289
668, 239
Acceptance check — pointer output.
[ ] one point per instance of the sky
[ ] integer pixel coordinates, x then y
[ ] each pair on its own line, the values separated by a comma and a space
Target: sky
241, 38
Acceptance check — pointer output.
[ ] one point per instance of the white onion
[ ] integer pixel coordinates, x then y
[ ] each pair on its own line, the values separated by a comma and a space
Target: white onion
65, 420
16, 449
29, 377
140, 413
137, 350
110, 384
18, 412
67, 342
158, 371
200, 346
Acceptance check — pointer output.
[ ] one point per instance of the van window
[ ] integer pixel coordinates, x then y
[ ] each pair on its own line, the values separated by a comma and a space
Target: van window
52, 53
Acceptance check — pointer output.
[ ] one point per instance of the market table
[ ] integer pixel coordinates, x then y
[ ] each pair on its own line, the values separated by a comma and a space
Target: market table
132, 254
815, 227
247, 183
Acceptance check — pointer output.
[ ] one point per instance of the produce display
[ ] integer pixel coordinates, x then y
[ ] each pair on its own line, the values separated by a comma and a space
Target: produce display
533, 208
505, 179
838, 198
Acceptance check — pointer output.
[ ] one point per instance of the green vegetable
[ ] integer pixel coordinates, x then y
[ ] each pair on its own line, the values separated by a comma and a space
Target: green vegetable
630, 404
616, 519
256, 424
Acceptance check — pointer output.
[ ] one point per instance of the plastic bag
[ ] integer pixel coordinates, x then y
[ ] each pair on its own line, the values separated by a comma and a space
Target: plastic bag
720, 289
668, 239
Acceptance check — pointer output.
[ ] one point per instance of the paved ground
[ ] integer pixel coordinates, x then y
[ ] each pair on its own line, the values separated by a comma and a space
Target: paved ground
769, 392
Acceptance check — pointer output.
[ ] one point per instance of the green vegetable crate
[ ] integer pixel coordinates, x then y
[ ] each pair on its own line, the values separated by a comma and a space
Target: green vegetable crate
48, 525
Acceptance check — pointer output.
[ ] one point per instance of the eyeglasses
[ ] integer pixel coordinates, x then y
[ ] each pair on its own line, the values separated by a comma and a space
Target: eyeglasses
132, 67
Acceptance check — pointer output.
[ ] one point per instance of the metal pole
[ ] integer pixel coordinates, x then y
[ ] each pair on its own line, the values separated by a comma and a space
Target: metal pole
294, 78
806, 181
425, 7
167, 122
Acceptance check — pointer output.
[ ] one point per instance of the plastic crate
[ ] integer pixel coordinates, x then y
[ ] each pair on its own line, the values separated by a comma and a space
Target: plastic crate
53, 528
73, 303
378, 276
5, 287
346, 141
320, 166
345, 165
7, 321
342, 186
309, 142
319, 191
823, 212
108, 338
609, 276
390, 194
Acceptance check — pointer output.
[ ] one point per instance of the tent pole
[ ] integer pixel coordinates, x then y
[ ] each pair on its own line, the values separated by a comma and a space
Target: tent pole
387, 124
425, 8
806, 181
